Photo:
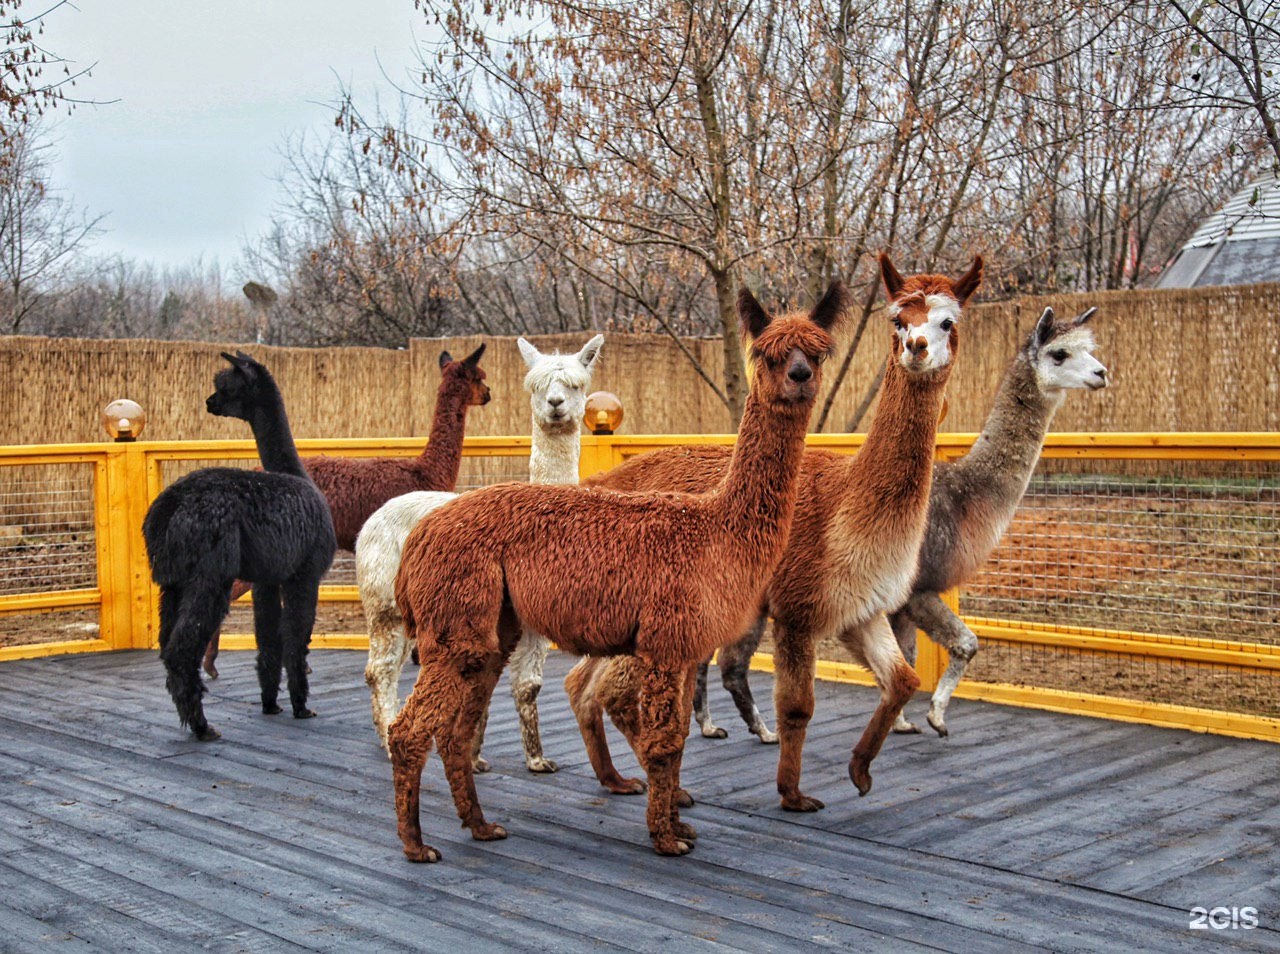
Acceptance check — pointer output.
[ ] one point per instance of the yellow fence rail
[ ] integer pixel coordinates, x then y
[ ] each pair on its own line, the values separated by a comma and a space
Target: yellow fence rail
128, 476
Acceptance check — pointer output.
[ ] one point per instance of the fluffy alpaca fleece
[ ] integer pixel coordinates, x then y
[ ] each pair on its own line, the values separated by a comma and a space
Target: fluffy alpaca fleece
682, 574
557, 386
974, 498
852, 550
213, 526
355, 487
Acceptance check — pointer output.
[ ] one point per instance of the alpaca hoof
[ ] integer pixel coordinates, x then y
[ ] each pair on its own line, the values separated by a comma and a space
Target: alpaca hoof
422, 854
413, 654
542, 766
480, 766
488, 832
937, 724
671, 846
801, 803
271, 709
207, 734
308, 669
765, 736
303, 713
860, 775
714, 732
903, 727
683, 799
628, 786
211, 670
684, 831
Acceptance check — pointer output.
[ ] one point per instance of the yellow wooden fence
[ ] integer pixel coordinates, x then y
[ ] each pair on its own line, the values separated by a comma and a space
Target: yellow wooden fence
128, 476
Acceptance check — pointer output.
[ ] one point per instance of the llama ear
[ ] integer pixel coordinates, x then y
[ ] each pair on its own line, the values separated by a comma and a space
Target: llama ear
474, 357
753, 318
445, 358
968, 283
892, 278
1083, 318
590, 352
832, 306
1044, 328
530, 353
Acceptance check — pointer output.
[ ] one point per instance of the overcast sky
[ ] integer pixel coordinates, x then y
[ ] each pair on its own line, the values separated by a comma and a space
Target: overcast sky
208, 92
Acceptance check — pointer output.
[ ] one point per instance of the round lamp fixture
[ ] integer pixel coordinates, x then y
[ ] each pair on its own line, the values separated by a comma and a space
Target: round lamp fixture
124, 420
604, 412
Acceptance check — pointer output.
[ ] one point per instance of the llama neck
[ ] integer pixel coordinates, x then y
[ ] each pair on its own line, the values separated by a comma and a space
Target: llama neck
759, 490
442, 457
553, 456
271, 433
1009, 446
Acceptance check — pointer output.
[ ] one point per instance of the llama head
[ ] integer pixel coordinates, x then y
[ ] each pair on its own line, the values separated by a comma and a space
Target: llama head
464, 378
787, 352
238, 391
924, 310
1061, 352
558, 383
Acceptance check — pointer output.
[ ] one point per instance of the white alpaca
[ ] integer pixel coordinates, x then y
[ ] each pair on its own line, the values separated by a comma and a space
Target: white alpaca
557, 385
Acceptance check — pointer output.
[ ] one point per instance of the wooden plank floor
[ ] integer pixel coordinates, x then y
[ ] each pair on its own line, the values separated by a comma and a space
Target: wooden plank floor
1024, 830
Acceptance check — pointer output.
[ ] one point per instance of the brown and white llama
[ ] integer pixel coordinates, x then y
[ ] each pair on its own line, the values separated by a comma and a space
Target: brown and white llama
355, 487
663, 577
852, 552
974, 498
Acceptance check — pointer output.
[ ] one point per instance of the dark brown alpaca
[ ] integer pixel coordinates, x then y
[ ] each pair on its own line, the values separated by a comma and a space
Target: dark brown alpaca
852, 552
683, 574
357, 486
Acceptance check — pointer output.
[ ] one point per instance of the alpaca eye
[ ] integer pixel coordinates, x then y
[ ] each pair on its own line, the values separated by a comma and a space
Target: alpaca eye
897, 323
1058, 356
947, 324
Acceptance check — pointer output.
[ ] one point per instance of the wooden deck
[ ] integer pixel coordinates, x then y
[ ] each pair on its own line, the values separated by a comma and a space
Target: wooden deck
1024, 830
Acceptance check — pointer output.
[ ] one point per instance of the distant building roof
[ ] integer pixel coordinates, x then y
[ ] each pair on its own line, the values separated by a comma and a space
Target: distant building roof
1237, 245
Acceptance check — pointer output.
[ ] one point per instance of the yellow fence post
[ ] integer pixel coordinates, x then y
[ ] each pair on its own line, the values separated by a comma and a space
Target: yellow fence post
121, 497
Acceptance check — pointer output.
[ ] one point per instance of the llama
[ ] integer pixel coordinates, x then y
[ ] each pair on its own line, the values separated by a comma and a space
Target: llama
663, 577
357, 486
852, 551
216, 525
974, 498
557, 386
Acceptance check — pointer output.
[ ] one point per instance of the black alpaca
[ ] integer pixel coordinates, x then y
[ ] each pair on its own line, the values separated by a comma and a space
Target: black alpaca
213, 526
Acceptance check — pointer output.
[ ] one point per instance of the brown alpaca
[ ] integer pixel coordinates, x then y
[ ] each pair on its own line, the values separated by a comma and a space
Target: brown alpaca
852, 552
682, 575
357, 486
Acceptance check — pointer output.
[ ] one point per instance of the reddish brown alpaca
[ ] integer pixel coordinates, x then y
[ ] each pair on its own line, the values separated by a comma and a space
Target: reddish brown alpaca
357, 486
683, 575
852, 551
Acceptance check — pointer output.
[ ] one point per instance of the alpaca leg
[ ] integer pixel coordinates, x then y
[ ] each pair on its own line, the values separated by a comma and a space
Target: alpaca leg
409, 739
947, 629
299, 600
479, 764
701, 708
526, 682
187, 619
904, 631
874, 646
581, 685
793, 702
266, 632
388, 650
238, 589
660, 744
468, 680
735, 663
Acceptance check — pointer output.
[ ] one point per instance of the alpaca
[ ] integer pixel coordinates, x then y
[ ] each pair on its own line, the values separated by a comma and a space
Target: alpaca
215, 525
852, 551
663, 577
557, 386
974, 498
357, 486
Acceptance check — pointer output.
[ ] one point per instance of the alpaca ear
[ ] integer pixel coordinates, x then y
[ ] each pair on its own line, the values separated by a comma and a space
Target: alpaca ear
239, 360
968, 283
832, 306
530, 353
753, 318
590, 352
1083, 318
473, 358
892, 278
1044, 328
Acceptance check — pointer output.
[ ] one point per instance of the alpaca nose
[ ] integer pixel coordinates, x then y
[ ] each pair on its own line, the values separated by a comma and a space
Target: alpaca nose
555, 401
799, 371
1102, 373
917, 346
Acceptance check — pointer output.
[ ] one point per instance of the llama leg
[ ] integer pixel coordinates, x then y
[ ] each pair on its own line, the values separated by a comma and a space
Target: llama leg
793, 702
904, 631
266, 632
581, 685
526, 682
299, 599
409, 740
701, 708
187, 618
660, 743
388, 649
735, 663
946, 628
874, 646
